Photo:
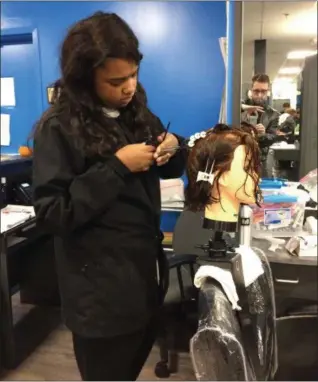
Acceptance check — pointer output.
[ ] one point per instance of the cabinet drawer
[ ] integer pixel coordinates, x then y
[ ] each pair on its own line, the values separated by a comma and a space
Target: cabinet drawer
295, 286
286, 274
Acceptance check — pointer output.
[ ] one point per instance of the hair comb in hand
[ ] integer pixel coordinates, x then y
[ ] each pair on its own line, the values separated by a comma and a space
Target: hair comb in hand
153, 141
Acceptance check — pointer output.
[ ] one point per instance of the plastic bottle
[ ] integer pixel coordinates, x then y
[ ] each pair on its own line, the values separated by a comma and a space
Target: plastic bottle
3, 192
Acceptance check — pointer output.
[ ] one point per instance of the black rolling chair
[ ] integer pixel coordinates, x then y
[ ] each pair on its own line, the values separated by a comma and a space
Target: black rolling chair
178, 305
180, 302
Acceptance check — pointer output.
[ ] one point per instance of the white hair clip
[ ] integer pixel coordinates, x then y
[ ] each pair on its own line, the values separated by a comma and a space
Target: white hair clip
204, 176
195, 137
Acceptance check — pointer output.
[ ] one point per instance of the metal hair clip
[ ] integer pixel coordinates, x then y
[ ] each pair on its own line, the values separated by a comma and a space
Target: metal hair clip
206, 176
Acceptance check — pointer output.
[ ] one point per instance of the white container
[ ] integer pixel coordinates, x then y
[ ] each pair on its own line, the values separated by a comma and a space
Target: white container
172, 190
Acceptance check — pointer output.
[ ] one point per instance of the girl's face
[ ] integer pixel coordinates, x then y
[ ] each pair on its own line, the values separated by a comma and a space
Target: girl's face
116, 82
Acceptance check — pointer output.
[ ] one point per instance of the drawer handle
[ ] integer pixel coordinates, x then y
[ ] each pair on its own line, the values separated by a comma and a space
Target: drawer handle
286, 281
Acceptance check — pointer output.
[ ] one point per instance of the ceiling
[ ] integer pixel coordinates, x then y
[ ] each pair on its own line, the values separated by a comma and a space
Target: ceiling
285, 25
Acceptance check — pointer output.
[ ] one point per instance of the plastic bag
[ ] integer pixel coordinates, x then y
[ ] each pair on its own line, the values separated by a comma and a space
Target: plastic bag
236, 346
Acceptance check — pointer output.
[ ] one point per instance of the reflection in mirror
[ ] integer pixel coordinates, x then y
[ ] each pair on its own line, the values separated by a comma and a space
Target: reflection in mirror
279, 40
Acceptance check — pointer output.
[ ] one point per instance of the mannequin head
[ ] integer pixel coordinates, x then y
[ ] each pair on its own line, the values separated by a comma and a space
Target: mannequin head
232, 155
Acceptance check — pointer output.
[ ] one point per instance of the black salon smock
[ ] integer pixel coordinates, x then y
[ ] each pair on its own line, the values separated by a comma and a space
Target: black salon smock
106, 223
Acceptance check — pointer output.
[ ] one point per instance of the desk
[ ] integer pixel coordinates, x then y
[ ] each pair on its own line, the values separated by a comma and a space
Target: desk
14, 164
16, 170
6, 319
12, 273
295, 278
286, 152
281, 255
296, 296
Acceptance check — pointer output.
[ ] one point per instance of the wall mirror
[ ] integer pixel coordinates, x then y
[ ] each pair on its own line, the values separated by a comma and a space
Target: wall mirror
280, 42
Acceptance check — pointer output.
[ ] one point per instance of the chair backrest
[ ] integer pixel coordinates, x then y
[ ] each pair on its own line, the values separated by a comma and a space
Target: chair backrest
188, 233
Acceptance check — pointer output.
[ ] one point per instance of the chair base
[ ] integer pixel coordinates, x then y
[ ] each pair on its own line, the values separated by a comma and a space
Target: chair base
162, 370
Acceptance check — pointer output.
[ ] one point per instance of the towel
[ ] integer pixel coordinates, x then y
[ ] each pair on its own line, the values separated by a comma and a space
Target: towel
223, 276
282, 118
251, 266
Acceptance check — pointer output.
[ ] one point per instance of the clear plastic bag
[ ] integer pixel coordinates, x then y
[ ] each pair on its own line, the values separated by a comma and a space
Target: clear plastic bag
310, 180
236, 346
310, 183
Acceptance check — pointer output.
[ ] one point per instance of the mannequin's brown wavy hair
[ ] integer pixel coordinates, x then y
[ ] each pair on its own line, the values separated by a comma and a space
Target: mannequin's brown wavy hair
218, 147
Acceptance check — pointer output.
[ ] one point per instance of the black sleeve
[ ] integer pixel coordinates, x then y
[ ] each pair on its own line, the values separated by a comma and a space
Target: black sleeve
273, 125
176, 165
66, 196
266, 140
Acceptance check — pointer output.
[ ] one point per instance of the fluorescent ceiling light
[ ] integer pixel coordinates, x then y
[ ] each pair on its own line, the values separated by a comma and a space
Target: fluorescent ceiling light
291, 70
302, 23
300, 54
283, 79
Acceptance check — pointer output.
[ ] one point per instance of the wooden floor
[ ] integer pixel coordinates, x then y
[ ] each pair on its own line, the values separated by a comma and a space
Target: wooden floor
53, 359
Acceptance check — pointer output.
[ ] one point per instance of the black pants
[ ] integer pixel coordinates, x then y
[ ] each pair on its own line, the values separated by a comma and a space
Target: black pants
118, 358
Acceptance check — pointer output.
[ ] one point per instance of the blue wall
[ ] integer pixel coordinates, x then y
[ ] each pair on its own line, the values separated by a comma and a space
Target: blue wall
183, 70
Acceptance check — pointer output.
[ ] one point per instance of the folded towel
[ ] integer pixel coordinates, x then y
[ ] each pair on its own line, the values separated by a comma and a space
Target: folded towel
223, 276
251, 266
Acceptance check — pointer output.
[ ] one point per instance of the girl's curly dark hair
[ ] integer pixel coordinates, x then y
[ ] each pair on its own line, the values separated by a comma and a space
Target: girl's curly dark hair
218, 147
74, 102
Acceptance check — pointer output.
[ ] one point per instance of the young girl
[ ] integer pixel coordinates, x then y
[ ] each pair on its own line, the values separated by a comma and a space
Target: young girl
96, 188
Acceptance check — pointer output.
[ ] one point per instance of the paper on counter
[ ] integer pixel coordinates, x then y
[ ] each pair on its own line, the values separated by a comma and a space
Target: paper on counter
14, 215
7, 91
5, 130
303, 246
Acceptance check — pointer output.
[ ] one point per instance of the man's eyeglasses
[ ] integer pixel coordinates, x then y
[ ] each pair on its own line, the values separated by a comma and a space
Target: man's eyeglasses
259, 91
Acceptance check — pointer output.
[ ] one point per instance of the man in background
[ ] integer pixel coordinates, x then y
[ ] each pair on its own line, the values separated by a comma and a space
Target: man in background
287, 122
257, 112
286, 106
